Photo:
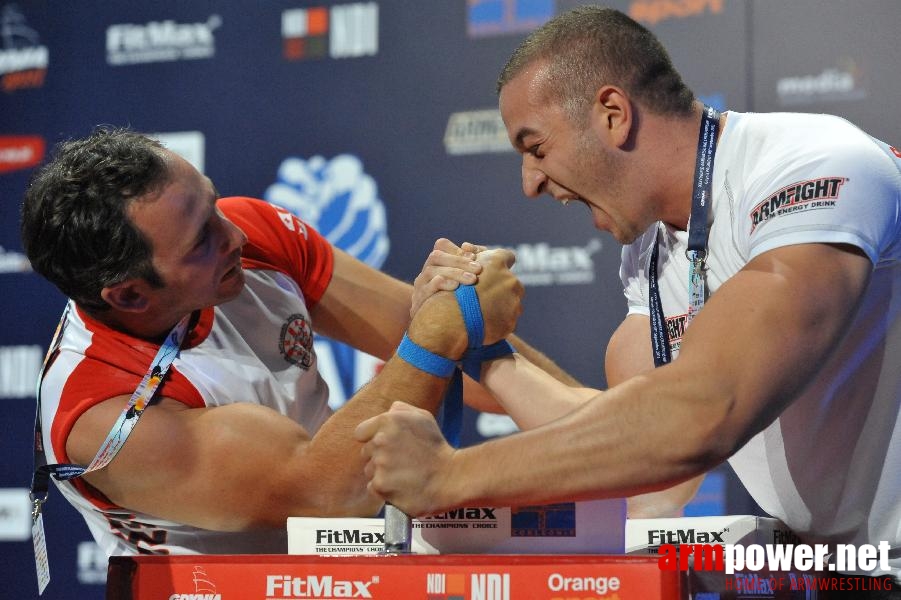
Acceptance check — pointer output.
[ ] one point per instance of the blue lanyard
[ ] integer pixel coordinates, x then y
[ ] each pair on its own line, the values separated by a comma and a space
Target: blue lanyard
697, 240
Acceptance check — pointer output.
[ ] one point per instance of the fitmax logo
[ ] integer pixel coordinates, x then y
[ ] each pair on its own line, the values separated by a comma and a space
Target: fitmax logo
348, 536
685, 536
311, 586
161, 41
469, 514
543, 264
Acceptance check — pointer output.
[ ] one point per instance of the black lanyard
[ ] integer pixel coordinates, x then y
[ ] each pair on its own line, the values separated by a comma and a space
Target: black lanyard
697, 240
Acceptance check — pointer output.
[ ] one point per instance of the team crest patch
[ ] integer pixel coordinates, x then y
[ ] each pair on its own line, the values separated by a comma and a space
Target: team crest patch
799, 196
296, 343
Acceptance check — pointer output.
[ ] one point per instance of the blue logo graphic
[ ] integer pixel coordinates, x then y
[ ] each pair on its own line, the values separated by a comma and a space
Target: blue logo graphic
549, 520
340, 201
496, 17
716, 99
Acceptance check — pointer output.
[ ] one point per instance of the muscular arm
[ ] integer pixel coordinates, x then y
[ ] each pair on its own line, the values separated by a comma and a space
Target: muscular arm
722, 389
533, 398
363, 307
530, 395
241, 466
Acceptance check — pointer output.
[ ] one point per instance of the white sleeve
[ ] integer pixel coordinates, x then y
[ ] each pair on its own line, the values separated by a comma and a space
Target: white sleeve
633, 272
847, 193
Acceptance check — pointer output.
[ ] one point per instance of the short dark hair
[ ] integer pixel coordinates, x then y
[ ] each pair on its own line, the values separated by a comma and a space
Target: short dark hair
591, 46
75, 229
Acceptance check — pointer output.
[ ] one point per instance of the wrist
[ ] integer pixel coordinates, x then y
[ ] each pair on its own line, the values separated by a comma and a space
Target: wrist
438, 327
450, 484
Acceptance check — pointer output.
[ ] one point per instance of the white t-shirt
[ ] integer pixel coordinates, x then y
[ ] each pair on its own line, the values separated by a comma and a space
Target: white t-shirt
830, 465
256, 348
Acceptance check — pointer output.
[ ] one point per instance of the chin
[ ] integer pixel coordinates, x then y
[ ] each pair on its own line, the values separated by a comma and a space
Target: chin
232, 286
625, 239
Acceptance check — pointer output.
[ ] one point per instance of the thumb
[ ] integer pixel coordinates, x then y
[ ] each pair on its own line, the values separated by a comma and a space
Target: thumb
366, 429
398, 406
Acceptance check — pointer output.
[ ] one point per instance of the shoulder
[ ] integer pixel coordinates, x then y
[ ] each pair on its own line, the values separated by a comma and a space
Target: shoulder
278, 240
788, 141
256, 216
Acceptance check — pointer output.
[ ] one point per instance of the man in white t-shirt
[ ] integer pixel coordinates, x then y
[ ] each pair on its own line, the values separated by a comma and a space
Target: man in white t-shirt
789, 370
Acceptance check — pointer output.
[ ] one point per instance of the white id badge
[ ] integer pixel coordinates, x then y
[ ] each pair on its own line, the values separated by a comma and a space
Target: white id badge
40, 553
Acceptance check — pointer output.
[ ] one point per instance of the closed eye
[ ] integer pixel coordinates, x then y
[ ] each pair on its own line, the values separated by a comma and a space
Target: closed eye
203, 238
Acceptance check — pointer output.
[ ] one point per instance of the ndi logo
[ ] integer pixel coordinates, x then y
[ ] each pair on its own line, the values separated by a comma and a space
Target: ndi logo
340, 31
490, 586
445, 586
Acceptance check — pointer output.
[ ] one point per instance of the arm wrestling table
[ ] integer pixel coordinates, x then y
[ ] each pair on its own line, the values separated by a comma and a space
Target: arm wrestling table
429, 577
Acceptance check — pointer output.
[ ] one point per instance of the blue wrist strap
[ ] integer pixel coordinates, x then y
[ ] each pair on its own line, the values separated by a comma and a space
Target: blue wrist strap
425, 360
472, 314
451, 417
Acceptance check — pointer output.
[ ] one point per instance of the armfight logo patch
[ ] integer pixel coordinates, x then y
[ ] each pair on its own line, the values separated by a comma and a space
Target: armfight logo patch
799, 196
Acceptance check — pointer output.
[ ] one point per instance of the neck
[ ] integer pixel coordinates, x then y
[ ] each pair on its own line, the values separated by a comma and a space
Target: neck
680, 136
139, 325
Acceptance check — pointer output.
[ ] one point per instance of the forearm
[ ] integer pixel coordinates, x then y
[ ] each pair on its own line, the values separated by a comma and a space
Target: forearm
499, 398
335, 456
665, 503
530, 395
598, 450
542, 361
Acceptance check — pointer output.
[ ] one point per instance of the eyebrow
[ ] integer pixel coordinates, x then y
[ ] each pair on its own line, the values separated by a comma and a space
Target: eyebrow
206, 221
521, 135
201, 232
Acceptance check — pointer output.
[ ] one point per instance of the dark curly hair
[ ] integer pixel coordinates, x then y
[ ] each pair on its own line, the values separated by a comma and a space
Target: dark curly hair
591, 46
74, 226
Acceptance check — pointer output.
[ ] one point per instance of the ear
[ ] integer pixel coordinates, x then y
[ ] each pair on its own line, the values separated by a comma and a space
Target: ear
614, 114
127, 296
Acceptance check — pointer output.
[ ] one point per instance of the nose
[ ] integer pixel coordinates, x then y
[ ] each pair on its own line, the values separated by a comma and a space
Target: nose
534, 180
234, 238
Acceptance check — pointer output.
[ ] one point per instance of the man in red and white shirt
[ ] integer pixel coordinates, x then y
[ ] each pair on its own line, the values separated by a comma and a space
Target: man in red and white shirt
240, 435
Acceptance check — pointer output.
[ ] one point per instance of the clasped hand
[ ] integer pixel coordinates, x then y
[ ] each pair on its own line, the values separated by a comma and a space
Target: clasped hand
500, 292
